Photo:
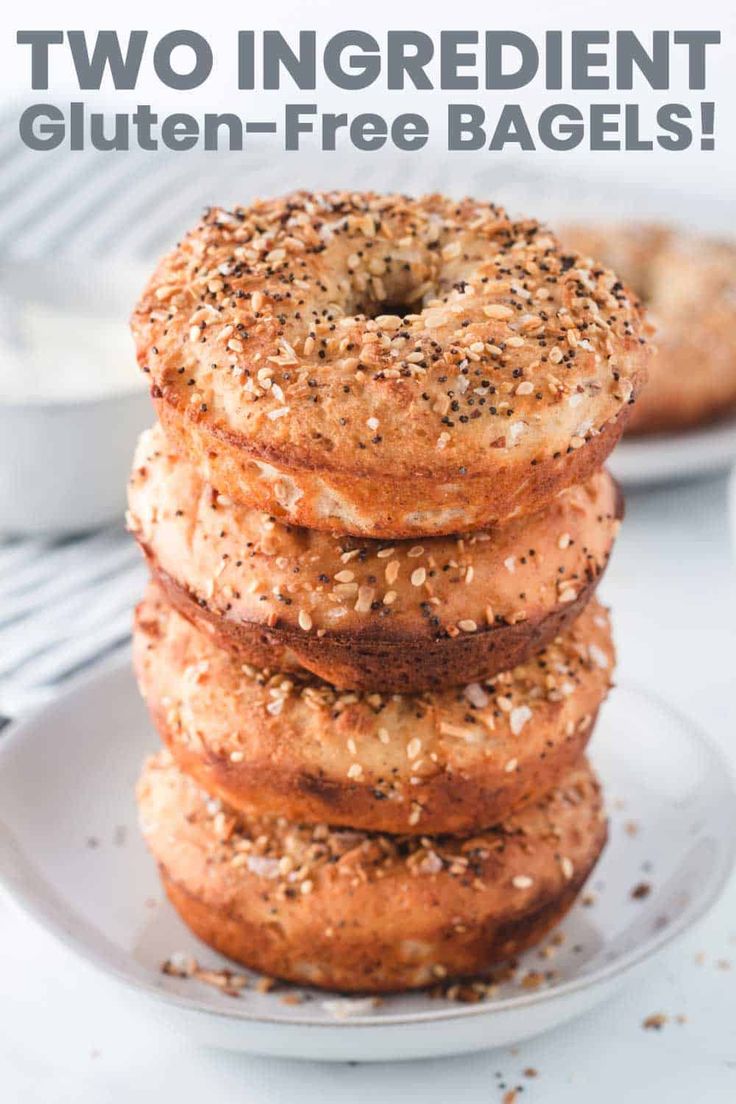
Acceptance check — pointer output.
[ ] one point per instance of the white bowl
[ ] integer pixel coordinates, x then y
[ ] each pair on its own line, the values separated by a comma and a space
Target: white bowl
67, 777
64, 465
71, 406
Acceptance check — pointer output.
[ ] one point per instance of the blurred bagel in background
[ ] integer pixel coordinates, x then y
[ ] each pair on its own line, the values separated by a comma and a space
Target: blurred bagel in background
688, 285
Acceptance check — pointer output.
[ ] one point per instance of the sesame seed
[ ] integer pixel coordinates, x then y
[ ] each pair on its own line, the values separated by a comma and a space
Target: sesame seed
413, 748
305, 621
599, 657
391, 573
418, 576
498, 311
522, 881
366, 595
449, 729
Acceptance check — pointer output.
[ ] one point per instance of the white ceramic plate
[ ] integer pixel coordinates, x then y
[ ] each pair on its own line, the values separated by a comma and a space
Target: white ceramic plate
70, 855
670, 459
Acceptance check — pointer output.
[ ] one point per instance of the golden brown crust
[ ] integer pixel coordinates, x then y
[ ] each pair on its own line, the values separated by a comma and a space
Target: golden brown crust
364, 614
355, 912
449, 761
689, 287
511, 382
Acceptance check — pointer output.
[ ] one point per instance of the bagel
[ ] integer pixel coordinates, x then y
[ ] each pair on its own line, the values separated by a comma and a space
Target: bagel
689, 286
450, 761
362, 614
356, 912
387, 367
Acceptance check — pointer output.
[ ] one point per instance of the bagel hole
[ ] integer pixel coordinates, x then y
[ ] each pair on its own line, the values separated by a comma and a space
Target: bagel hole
398, 307
402, 309
400, 291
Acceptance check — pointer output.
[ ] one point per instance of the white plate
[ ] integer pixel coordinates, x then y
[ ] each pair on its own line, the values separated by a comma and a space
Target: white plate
70, 855
679, 456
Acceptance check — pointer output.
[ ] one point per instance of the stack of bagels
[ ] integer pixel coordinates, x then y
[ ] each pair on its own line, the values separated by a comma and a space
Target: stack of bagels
375, 514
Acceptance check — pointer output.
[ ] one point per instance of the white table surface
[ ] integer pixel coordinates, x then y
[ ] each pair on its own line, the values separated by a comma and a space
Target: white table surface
67, 1034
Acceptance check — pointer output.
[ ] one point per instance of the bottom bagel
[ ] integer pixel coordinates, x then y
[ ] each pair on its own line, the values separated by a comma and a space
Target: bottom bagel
360, 912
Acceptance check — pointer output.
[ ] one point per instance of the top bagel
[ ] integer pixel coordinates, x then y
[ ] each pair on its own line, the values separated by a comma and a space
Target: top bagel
388, 367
